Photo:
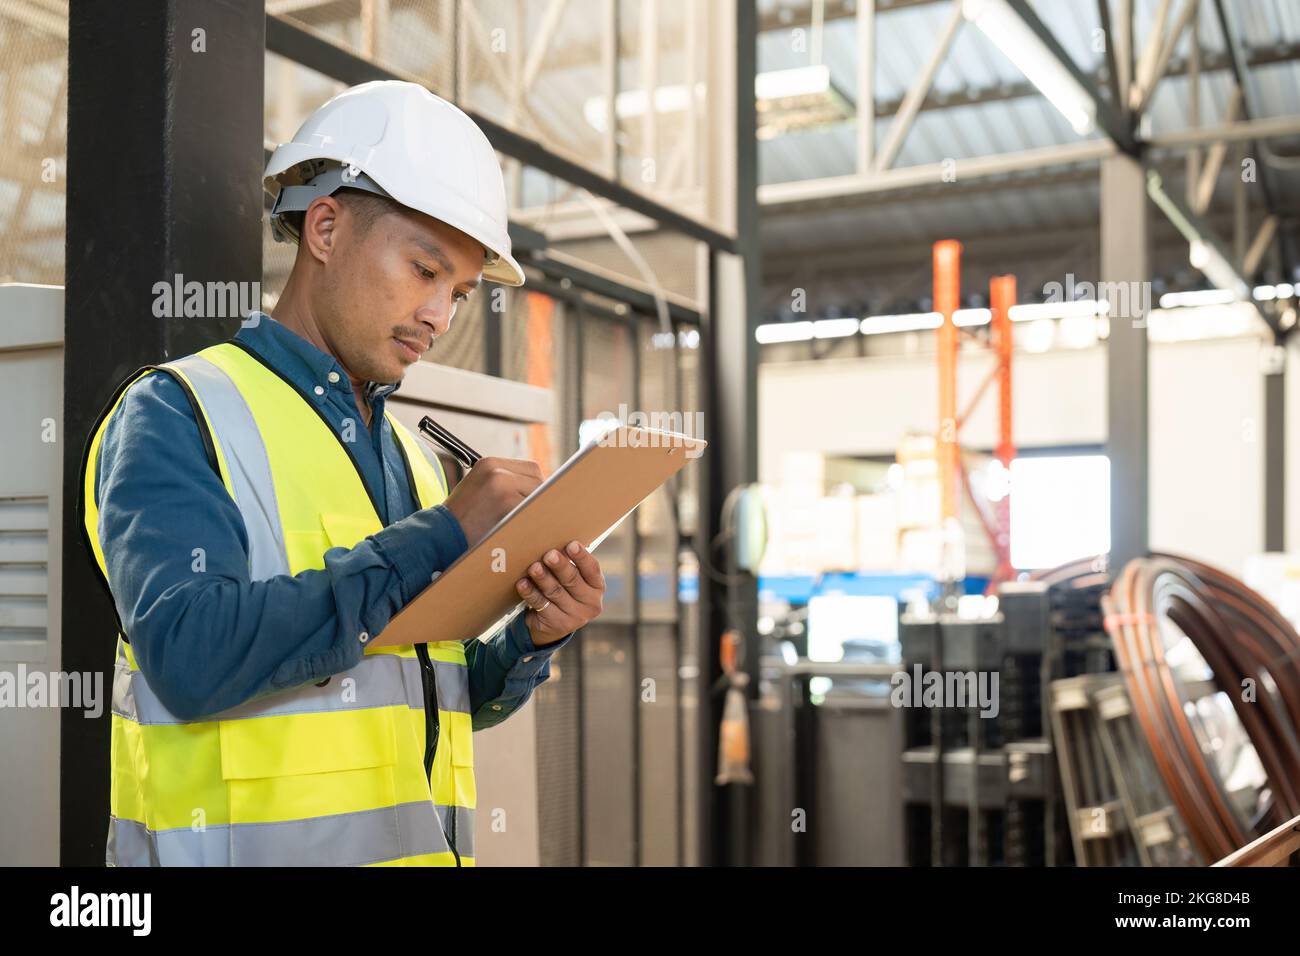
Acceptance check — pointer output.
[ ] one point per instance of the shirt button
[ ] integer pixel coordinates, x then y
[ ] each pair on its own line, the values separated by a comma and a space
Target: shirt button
319, 390
333, 377
363, 637
527, 659
496, 706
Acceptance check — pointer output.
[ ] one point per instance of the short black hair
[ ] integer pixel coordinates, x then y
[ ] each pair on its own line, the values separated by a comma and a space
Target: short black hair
367, 207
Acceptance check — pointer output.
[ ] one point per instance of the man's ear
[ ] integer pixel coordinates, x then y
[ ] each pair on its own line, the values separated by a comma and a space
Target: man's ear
320, 228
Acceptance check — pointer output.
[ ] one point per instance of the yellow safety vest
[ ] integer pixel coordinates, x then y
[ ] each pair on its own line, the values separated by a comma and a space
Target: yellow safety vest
323, 774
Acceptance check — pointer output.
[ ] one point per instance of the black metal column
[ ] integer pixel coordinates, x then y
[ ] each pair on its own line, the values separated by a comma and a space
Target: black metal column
493, 345
1125, 282
1275, 452
731, 413
164, 180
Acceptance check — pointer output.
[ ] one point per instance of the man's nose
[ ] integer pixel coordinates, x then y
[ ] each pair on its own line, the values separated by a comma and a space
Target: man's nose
437, 315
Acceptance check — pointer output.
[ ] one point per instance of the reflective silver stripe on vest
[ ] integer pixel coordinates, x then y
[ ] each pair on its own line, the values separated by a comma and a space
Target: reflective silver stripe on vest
379, 680
464, 841
344, 839
249, 467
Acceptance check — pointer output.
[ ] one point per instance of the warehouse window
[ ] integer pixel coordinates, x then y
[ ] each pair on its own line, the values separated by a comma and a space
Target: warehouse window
1060, 509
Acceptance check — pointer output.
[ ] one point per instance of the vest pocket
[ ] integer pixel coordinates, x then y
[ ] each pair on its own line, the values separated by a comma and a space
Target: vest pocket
307, 546
462, 741
464, 787
344, 531
293, 744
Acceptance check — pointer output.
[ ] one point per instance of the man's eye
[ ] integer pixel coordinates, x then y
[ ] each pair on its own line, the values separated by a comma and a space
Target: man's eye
425, 273
461, 296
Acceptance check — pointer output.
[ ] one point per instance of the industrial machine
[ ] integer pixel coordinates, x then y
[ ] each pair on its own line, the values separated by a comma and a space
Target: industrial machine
31, 501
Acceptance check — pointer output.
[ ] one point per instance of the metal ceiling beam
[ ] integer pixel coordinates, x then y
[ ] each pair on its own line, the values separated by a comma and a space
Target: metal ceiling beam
1001, 92
1142, 96
865, 106
902, 123
316, 53
834, 189
1113, 77
1075, 176
1108, 118
867, 264
1230, 27
1203, 189
1250, 262
1122, 42
636, 295
542, 42
1274, 127
1146, 62
774, 196
787, 17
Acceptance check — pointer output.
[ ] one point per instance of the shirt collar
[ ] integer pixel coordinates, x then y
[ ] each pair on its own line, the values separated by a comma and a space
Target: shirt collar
298, 360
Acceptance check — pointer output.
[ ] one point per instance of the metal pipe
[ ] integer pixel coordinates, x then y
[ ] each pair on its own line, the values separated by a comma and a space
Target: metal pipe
1002, 296
947, 299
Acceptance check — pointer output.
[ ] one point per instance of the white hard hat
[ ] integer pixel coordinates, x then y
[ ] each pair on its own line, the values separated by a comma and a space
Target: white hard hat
399, 140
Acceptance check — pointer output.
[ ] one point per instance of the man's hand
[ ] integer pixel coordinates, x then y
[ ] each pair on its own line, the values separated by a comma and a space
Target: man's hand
563, 591
489, 491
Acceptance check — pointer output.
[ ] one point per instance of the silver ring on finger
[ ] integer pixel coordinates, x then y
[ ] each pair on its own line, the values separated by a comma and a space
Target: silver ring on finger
539, 610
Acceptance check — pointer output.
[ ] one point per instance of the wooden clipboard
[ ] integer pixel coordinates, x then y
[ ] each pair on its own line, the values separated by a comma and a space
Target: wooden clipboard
585, 499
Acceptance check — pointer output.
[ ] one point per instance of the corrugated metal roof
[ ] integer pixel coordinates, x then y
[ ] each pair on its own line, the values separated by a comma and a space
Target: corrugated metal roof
905, 39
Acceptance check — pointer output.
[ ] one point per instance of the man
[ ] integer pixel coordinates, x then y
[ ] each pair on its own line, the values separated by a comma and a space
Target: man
259, 518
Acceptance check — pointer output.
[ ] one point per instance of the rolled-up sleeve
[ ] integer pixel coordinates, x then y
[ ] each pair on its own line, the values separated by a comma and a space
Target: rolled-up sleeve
206, 636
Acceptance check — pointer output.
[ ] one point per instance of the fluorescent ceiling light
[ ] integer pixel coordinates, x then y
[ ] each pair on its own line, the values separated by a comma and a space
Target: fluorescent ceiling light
834, 328
785, 99
965, 318
1267, 293
773, 332
908, 322
1075, 331
1021, 45
800, 81
797, 99
1058, 310
1174, 300
633, 103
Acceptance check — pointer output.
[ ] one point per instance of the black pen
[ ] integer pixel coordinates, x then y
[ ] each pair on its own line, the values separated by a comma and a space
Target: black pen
434, 432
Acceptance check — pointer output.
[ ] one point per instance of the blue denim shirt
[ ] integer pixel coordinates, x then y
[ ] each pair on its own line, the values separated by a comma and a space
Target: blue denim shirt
212, 640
